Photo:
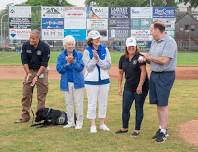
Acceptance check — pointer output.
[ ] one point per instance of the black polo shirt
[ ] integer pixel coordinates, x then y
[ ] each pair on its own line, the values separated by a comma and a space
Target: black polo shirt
132, 72
35, 57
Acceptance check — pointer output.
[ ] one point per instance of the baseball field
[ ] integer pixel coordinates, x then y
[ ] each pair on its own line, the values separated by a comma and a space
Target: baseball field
183, 116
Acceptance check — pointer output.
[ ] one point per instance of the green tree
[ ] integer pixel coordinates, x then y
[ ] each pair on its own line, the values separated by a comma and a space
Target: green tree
193, 3
48, 3
130, 3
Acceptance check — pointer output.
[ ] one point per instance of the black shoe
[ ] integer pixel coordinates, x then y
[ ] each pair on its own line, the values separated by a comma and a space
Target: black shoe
135, 133
156, 134
161, 138
121, 131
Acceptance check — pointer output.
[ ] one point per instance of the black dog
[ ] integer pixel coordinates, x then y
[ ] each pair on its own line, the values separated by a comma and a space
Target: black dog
50, 117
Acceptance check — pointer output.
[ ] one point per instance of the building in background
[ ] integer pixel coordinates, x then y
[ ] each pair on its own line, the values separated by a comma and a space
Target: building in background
186, 28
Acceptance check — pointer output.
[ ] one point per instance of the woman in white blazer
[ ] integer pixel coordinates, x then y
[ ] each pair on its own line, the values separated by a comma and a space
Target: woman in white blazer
97, 62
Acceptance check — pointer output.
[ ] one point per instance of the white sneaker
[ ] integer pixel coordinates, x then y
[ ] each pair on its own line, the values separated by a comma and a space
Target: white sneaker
93, 129
78, 127
69, 126
104, 127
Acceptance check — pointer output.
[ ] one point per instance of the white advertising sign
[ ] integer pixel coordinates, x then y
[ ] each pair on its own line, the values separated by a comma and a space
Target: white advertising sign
75, 12
141, 12
70, 23
52, 12
141, 35
19, 34
97, 12
75, 18
52, 34
97, 24
20, 11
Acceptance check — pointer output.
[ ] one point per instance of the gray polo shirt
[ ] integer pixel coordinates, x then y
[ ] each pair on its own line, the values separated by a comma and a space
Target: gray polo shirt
164, 47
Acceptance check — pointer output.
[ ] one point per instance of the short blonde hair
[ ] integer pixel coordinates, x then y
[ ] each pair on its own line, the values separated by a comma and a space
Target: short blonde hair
69, 38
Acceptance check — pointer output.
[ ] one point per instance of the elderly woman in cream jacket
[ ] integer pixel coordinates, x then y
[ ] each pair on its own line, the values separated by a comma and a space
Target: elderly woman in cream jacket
97, 62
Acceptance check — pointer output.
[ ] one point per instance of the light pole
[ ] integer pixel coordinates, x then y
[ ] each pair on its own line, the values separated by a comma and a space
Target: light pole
150, 3
2, 27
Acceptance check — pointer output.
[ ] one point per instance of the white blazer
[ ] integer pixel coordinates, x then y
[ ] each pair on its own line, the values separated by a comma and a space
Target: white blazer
92, 72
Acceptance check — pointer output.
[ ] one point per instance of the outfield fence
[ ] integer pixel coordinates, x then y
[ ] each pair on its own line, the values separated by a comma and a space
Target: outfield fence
186, 31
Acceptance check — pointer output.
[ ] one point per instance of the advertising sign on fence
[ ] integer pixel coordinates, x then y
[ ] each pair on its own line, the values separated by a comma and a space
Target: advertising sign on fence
118, 35
52, 23
97, 12
164, 12
52, 20
114, 23
119, 12
97, 24
78, 34
52, 12
119, 24
75, 17
141, 35
19, 22
141, 12
52, 34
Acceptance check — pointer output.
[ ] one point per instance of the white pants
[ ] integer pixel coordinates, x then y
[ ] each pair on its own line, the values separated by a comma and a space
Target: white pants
94, 93
74, 97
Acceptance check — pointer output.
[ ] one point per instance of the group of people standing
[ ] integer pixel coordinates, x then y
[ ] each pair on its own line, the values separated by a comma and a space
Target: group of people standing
90, 70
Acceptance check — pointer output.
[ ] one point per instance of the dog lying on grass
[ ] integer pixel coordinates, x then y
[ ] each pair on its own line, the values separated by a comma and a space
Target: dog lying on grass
47, 116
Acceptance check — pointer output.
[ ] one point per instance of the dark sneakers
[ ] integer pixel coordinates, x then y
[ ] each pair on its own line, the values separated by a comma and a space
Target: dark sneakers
156, 134
161, 138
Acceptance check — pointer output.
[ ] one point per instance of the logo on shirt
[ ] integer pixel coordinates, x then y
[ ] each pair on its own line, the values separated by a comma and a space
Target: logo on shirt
29, 51
135, 62
38, 52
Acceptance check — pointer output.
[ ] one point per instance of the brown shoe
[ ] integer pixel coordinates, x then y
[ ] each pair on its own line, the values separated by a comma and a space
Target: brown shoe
21, 120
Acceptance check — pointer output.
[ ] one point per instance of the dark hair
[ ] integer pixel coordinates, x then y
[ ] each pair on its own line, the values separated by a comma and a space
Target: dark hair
126, 51
89, 42
159, 25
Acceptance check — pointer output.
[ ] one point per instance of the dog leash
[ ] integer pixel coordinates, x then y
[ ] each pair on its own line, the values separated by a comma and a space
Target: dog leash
49, 110
33, 115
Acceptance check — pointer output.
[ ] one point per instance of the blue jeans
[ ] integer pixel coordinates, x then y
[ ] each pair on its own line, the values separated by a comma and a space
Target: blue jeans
128, 98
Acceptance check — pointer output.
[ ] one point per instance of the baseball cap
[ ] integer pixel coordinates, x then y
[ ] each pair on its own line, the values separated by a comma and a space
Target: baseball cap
93, 34
131, 41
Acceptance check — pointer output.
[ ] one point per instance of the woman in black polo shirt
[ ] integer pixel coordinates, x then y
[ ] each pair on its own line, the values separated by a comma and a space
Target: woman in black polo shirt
135, 88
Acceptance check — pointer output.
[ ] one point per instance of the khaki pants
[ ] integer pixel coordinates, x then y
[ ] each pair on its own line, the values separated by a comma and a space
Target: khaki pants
42, 89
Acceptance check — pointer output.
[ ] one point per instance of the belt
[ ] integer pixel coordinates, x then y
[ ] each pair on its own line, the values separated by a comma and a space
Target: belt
159, 72
34, 69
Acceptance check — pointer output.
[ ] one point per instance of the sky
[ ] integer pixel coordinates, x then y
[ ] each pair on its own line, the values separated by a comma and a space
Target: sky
4, 3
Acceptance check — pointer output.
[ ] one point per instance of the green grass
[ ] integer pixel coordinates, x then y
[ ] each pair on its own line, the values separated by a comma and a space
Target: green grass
23, 138
184, 59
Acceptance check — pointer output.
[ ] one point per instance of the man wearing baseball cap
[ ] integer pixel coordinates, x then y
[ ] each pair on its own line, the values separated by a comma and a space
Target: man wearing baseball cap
135, 87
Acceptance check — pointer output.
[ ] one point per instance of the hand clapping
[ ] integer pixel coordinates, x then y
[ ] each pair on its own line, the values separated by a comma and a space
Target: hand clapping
95, 55
70, 59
